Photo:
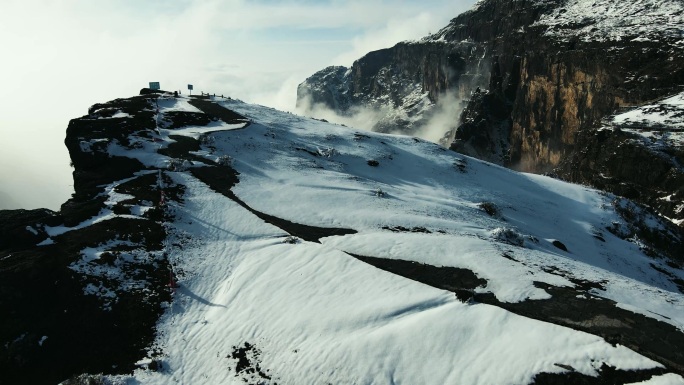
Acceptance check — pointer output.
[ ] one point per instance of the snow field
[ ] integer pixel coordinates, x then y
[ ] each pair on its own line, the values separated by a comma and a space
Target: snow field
423, 188
316, 315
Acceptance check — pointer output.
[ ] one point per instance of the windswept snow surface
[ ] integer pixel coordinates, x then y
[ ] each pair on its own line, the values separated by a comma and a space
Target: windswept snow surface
669, 113
311, 313
609, 20
661, 123
665, 379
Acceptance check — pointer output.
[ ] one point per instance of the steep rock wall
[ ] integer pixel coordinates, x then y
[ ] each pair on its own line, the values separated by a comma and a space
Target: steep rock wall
557, 86
562, 94
554, 101
404, 81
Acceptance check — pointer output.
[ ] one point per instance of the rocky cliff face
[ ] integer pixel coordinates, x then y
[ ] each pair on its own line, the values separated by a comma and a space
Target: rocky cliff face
69, 310
402, 84
81, 290
554, 69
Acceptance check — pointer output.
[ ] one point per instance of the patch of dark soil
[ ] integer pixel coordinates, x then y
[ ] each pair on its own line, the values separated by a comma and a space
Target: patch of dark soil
402, 229
570, 307
179, 119
373, 163
180, 148
248, 365
608, 375
214, 110
313, 153
447, 278
464, 295
156, 366
461, 165
680, 284
659, 269
222, 179
143, 188
582, 284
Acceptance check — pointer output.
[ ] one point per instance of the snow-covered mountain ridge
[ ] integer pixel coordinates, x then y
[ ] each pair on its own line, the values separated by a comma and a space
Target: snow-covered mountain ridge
309, 252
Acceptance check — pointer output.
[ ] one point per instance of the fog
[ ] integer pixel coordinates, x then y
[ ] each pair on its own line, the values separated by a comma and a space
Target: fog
358, 117
61, 56
438, 118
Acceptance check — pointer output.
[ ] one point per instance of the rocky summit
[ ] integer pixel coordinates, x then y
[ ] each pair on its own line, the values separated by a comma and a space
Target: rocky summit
212, 241
530, 85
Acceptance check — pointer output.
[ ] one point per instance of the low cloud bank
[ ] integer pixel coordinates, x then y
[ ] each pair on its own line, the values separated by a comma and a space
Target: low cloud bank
364, 118
436, 120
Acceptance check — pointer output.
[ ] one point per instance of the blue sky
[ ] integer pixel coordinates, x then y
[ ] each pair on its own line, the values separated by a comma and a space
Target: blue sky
61, 56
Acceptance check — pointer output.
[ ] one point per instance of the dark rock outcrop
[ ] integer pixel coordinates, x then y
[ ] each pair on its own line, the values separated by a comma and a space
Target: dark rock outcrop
61, 315
89, 138
24, 228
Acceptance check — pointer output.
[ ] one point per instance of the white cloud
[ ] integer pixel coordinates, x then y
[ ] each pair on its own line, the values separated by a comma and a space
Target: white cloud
390, 32
61, 56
